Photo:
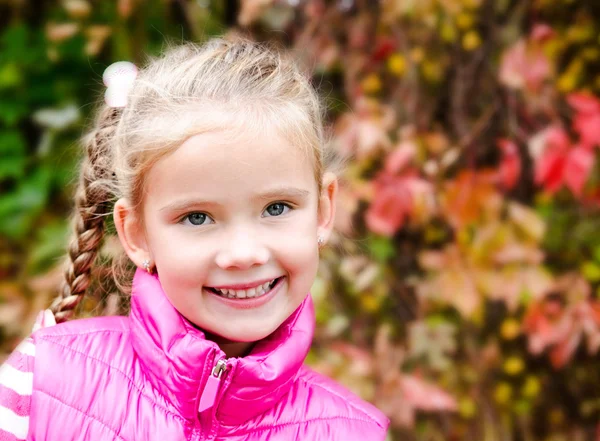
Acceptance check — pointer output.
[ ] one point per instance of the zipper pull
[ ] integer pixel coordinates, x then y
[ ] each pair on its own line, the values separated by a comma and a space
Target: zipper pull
209, 394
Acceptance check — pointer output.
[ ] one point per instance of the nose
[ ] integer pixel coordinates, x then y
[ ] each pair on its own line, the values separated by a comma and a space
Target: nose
242, 250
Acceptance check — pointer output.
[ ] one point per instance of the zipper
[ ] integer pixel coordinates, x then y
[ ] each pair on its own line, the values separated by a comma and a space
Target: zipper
207, 402
209, 394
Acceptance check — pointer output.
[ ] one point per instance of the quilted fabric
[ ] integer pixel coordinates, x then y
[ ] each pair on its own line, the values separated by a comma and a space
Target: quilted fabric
143, 377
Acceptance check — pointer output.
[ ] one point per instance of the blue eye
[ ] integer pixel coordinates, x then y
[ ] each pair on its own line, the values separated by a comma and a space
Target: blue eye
277, 209
198, 219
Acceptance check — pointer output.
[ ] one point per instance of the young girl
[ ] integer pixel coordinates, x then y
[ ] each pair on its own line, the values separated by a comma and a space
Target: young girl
215, 159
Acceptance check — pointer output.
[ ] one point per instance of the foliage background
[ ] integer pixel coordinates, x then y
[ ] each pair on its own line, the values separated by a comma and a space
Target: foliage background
461, 293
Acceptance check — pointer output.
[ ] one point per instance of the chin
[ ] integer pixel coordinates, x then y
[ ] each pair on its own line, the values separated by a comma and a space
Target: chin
247, 337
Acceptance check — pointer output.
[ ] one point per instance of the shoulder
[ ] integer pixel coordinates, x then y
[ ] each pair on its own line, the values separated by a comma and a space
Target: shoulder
83, 329
102, 339
328, 401
16, 381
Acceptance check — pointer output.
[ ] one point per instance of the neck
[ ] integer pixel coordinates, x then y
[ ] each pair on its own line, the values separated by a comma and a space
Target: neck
230, 347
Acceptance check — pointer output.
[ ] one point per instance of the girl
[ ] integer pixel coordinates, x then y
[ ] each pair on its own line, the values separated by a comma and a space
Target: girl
216, 164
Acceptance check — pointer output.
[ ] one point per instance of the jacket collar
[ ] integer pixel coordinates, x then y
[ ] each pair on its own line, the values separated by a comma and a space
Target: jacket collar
177, 359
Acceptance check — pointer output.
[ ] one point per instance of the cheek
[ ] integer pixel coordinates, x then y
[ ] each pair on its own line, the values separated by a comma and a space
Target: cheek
176, 257
298, 252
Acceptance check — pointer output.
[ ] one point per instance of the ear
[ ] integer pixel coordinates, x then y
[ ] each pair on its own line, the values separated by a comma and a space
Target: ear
131, 232
327, 202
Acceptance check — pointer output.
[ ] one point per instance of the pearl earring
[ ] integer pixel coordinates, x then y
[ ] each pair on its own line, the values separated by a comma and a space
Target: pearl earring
146, 264
320, 241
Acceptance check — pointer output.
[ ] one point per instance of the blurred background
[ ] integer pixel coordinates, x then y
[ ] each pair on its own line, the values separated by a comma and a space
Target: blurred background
461, 293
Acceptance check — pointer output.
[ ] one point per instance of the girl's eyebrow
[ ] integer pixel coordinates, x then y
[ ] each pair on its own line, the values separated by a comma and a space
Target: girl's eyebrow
289, 192
276, 193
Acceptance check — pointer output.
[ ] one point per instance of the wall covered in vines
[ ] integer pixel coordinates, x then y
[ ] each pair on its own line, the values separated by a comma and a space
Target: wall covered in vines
461, 291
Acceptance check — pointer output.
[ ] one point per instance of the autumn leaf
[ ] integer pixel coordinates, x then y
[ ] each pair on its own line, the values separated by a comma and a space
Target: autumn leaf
434, 342
587, 118
400, 157
561, 329
509, 171
364, 133
469, 197
578, 166
549, 166
524, 66
453, 285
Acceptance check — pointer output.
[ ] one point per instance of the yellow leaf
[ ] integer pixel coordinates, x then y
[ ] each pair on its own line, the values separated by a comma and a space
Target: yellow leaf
369, 302
465, 21
527, 220
590, 53
471, 4
371, 84
514, 366
432, 71
448, 32
567, 82
467, 408
397, 64
503, 393
471, 41
532, 387
510, 329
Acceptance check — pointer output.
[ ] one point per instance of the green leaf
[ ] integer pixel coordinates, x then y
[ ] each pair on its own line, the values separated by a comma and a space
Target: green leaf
596, 253
18, 210
591, 271
50, 242
12, 110
13, 154
10, 76
381, 248
14, 42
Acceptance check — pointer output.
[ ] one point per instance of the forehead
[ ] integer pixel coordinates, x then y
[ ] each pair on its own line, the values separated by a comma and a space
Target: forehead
227, 164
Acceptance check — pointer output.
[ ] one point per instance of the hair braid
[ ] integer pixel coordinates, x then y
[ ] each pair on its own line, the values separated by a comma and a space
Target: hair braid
92, 203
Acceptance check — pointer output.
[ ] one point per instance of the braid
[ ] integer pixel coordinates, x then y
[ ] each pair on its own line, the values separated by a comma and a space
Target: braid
92, 203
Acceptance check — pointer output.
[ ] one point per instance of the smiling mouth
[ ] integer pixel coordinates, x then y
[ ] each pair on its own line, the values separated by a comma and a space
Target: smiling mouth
258, 291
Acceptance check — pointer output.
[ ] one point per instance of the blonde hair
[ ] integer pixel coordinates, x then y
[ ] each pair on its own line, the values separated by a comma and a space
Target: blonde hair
173, 98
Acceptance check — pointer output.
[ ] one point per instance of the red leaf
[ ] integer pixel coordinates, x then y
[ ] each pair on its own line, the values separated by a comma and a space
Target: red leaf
549, 168
578, 165
542, 32
383, 49
424, 396
563, 351
387, 212
587, 125
583, 102
510, 165
524, 66
400, 157
557, 138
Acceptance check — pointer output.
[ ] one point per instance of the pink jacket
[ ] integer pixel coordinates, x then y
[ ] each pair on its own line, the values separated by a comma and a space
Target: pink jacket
153, 376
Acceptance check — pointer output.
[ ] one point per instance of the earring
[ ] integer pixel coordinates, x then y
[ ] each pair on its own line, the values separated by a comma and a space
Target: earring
320, 241
146, 265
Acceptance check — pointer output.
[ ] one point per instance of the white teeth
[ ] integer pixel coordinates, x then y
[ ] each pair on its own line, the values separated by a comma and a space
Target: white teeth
246, 293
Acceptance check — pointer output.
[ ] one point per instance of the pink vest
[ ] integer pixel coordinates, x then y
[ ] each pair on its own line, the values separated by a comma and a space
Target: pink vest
153, 376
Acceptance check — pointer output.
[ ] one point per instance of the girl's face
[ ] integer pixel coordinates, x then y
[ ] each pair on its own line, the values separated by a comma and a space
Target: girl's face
238, 214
